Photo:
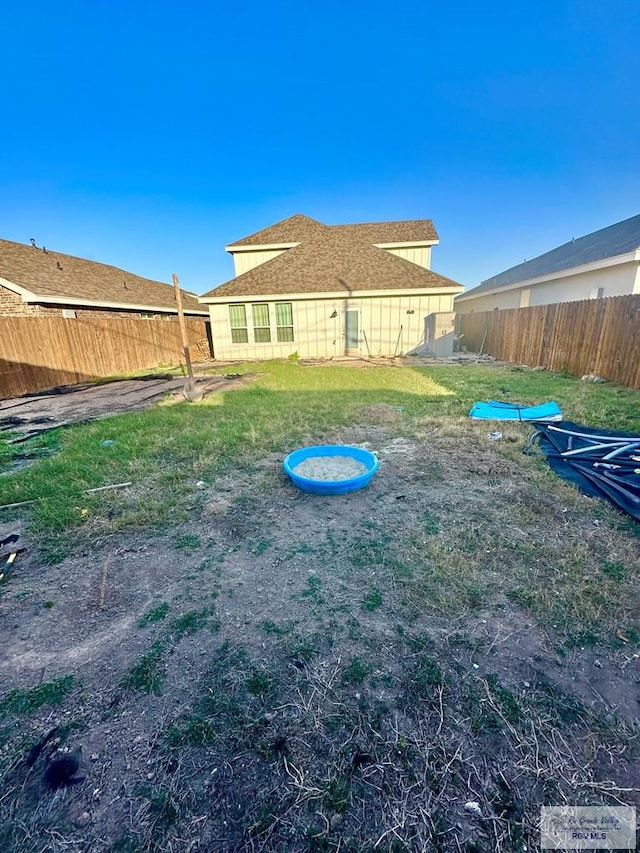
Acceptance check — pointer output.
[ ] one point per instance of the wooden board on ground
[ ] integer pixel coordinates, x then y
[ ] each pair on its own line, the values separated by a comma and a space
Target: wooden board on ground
35, 413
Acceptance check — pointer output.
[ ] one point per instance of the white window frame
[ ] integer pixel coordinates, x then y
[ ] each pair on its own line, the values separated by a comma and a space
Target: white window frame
238, 328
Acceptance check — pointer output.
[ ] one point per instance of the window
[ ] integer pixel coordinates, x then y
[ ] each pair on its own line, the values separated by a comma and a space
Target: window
284, 322
238, 320
261, 318
261, 325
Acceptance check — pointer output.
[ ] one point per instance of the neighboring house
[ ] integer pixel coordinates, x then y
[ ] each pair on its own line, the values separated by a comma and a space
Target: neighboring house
328, 290
604, 263
36, 282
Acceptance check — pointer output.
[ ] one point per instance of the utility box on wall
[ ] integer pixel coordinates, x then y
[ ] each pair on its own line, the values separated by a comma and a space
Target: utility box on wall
439, 335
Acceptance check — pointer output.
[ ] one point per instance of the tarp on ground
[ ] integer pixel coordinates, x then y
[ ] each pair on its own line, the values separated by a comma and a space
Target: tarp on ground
496, 410
601, 462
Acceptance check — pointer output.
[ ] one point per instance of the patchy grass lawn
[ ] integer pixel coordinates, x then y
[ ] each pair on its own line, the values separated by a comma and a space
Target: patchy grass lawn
248, 667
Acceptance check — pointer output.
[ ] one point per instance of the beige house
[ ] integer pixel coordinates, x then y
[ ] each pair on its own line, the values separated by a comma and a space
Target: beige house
37, 282
329, 290
604, 263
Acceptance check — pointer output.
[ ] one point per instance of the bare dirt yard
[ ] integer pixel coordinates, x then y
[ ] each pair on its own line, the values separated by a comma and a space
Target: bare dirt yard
416, 666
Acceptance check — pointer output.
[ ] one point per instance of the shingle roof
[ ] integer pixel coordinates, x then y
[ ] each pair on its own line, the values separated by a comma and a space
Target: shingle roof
614, 240
404, 231
299, 227
323, 261
49, 275
290, 230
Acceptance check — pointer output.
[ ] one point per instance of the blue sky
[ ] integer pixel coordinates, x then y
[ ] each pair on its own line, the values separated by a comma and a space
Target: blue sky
150, 134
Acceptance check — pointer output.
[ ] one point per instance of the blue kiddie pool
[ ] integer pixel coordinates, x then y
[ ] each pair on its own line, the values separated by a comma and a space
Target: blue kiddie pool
331, 469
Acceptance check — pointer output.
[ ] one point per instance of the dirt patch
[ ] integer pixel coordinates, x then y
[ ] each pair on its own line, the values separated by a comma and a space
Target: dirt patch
294, 672
380, 413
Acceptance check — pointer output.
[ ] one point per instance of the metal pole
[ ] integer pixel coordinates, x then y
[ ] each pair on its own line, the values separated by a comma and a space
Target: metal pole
395, 352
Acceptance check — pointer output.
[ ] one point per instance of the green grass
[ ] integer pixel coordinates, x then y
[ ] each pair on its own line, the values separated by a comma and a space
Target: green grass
28, 451
303, 649
188, 542
163, 450
260, 683
571, 591
430, 523
190, 622
365, 553
312, 591
505, 699
373, 599
149, 673
356, 671
594, 405
272, 629
156, 614
336, 794
220, 710
426, 673
24, 701
614, 570
260, 547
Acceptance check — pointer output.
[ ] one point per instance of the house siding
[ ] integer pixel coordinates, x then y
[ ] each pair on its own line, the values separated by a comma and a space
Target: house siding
245, 261
385, 327
617, 280
614, 281
420, 255
507, 299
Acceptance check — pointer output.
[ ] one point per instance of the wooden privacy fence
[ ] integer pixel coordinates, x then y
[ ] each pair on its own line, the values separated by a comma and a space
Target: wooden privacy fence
598, 336
41, 352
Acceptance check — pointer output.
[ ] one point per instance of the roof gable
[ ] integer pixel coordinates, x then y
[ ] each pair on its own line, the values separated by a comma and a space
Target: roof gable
332, 259
43, 275
618, 239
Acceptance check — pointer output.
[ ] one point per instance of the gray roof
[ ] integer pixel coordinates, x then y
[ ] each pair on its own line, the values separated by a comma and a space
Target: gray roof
290, 230
300, 227
614, 240
334, 258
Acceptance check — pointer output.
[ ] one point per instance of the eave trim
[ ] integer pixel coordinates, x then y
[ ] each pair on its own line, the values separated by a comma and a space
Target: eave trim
29, 297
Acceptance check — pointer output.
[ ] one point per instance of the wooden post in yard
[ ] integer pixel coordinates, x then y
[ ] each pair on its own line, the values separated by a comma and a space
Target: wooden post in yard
189, 391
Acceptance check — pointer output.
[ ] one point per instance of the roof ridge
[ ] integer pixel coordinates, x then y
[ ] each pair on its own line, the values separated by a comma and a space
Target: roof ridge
378, 222
608, 242
318, 263
300, 226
